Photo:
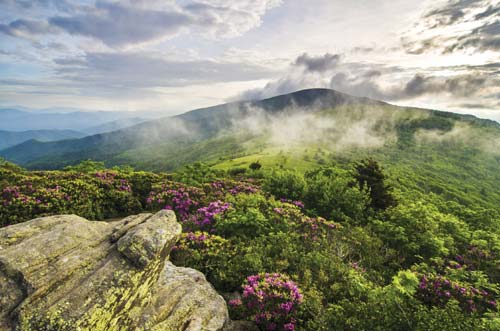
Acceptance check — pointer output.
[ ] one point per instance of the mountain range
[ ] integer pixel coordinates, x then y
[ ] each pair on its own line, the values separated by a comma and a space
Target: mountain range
89, 122
182, 130
300, 131
12, 138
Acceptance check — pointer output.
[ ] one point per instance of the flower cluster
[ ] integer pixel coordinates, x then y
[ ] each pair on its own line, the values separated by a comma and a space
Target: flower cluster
184, 201
437, 291
25, 200
312, 228
297, 203
110, 180
243, 188
124, 185
271, 300
473, 259
97, 195
205, 217
221, 187
316, 227
106, 177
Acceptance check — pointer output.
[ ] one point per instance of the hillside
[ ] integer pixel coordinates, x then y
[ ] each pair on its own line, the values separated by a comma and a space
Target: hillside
433, 152
12, 138
187, 128
336, 248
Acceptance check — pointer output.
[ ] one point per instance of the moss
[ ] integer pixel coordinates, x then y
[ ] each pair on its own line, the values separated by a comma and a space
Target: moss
124, 300
51, 320
82, 282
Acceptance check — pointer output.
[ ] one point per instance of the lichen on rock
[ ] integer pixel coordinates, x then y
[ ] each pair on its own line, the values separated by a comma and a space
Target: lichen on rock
67, 273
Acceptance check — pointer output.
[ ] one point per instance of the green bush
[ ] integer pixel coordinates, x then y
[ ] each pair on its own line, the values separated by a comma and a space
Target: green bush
285, 184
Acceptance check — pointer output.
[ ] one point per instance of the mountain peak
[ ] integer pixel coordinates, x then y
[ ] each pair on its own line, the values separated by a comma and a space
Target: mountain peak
314, 97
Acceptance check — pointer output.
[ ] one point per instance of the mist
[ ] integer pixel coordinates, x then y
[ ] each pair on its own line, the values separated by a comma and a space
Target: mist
343, 128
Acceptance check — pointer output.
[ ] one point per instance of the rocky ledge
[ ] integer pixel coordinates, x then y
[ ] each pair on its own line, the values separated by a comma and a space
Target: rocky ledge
67, 273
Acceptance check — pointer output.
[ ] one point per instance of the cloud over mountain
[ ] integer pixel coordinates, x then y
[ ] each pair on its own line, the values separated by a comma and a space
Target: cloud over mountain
371, 80
175, 55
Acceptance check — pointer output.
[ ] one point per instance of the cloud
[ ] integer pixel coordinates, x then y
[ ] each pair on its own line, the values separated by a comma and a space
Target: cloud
483, 38
490, 11
305, 72
459, 85
477, 83
141, 69
298, 127
225, 19
126, 23
457, 26
26, 28
111, 23
452, 12
318, 63
63, 5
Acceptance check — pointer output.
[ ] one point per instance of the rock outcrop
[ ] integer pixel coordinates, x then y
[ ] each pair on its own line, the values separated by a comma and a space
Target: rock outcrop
67, 273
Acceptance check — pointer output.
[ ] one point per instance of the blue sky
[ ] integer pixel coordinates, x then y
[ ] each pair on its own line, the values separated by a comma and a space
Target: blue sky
172, 56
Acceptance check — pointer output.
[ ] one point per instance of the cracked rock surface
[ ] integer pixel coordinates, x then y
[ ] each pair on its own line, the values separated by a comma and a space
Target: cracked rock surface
66, 273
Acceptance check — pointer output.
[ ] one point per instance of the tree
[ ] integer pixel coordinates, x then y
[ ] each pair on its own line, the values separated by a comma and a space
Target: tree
370, 176
255, 165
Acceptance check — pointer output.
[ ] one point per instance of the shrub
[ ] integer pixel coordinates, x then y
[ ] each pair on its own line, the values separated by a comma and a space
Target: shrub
331, 193
255, 165
236, 171
271, 300
211, 254
285, 184
438, 291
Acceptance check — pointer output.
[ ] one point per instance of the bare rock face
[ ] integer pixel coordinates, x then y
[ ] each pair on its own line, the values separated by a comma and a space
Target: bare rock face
67, 273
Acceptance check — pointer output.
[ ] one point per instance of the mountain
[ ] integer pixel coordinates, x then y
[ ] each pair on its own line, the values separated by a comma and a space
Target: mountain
315, 117
11, 138
176, 131
49, 119
114, 125
443, 151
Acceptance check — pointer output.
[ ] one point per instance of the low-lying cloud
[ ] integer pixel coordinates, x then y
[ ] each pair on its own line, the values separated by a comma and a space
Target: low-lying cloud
294, 127
477, 83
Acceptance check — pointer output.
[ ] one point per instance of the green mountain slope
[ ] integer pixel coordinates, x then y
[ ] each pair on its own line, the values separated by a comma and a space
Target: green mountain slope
12, 138
188, 128
432, 152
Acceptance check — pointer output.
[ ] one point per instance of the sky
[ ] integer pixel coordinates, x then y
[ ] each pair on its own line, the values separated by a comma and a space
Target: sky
176, 55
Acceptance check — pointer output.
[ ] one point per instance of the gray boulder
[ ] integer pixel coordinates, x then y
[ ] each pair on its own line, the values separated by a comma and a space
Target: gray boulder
67, 273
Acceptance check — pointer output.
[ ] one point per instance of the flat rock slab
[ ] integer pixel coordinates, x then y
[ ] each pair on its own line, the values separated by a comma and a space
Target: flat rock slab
66, 273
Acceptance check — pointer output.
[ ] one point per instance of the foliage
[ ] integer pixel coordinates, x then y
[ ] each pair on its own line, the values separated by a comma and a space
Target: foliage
369, 175
271, 300
285, 184
438, 291
94, 195
332, 194
196, 174
427, 263
255, 165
